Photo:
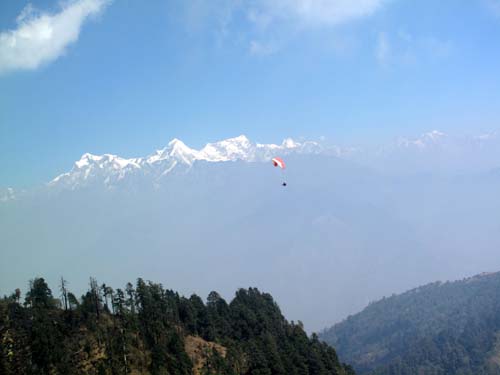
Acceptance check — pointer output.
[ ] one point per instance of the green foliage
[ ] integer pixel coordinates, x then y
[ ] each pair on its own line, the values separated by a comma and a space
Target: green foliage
143, 330
450, 328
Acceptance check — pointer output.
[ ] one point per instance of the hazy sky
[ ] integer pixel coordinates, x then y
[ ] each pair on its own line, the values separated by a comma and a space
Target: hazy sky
126, 76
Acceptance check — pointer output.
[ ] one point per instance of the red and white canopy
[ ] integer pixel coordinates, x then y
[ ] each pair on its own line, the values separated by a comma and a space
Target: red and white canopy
278, 162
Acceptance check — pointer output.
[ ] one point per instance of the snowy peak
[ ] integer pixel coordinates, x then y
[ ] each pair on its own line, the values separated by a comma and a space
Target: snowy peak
86, 159
238, 148
109, 169
180, 152
241, 148
177, 158
290, 143
434, 135
430, 139
175, 150
102, 161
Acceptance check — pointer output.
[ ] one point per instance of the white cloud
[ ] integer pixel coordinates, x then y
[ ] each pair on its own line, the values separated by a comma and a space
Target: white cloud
280, 18
41, 37
319, 12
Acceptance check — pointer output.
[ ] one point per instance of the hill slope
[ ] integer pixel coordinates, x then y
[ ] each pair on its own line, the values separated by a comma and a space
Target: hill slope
440, 328
150, 330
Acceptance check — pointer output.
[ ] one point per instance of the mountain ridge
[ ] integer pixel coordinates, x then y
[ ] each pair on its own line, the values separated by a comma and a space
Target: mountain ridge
112, 168
431, 151
440, 328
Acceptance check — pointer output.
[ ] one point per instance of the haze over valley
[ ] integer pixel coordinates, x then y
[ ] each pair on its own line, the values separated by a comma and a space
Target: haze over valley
343, 232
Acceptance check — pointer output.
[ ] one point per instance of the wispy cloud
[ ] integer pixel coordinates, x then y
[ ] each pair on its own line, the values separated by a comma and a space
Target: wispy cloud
265, 26
261, 49
319, 12
494, 6
404, 48
382, 49
42, 37
437, 48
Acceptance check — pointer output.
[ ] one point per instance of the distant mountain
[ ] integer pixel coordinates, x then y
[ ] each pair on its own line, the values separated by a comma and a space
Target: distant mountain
432, 151
441, 328
436, 139
147, 329
426, 152
111, 171
435, 152
430, 139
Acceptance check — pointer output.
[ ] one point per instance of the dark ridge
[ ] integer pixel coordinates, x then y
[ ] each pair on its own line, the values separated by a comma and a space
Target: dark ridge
439, 328
146, 329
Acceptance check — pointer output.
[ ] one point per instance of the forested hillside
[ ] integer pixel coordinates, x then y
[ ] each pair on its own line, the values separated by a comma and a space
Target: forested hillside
440, 328
147, 329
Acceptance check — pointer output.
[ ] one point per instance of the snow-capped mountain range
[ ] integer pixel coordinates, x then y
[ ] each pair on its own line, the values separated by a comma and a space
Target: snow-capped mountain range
429, 149
176, 156
438, 139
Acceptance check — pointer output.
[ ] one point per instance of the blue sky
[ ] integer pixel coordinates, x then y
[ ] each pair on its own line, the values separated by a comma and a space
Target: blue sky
127, 76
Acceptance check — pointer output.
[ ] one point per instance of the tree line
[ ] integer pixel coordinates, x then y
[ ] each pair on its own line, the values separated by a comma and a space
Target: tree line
147, 329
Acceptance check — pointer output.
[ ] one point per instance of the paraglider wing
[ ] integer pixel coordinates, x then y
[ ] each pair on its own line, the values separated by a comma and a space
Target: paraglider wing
278, 162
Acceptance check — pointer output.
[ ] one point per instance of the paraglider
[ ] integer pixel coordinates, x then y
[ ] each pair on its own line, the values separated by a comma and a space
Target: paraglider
279, 163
